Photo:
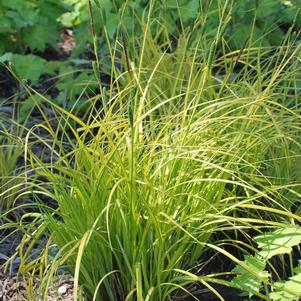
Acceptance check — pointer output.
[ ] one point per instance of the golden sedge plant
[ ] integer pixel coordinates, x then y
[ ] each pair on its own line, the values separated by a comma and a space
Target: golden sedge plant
184, 145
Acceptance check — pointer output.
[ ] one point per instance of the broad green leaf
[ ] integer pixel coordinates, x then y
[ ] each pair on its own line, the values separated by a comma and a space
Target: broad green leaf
14, 4
37, 37
248, 282
52, 66
267, 9
187, 9
68, 19
289, 290
18, 19
279, 294
6, 25
104, 4
74, 2
77, 14
278, 242
22, 13
51, 9
242, 33
28, 67
6, 57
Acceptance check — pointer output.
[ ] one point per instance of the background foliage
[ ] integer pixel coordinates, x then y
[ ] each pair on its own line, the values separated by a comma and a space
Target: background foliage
29, 28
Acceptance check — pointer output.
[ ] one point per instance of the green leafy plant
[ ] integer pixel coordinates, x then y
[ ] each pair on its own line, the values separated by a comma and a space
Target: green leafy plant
262, 22
29, 24
28, 67
253, 280
34, 25
27, 29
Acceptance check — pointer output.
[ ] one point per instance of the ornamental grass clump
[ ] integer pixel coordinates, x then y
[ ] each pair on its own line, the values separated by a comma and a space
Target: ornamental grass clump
183, 144
144, 185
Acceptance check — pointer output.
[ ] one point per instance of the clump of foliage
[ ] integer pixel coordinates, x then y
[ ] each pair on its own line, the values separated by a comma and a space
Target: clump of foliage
172, 152
184, 143
261, 23
28, 29
266, 20
29, 24
35, 25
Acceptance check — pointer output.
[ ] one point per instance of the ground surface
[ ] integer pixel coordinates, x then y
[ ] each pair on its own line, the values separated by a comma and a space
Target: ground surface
14, 289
